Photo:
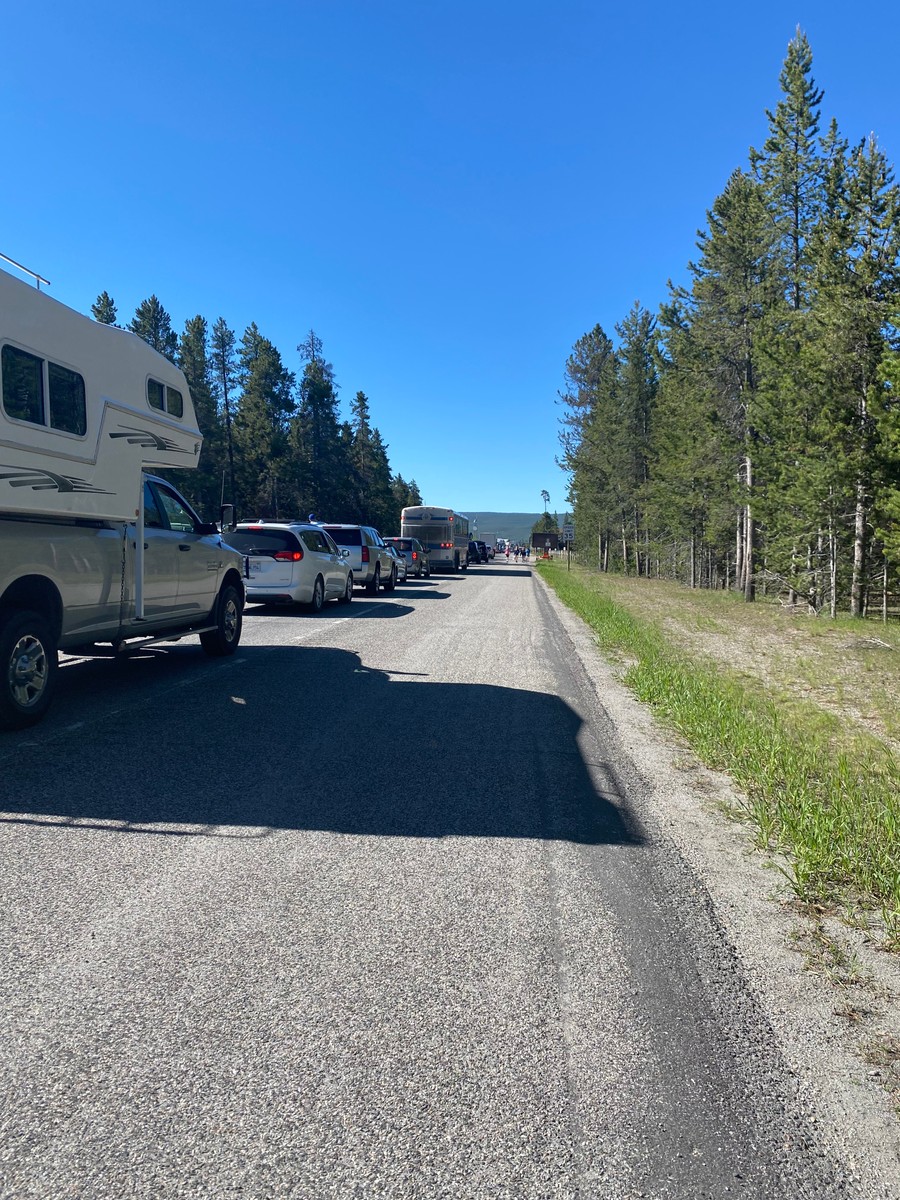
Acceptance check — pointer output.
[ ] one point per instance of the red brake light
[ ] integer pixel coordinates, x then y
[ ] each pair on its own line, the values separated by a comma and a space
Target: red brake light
288, 555
415, 555
365, 554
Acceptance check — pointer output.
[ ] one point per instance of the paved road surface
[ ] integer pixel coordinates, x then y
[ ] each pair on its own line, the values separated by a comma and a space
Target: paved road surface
371, 910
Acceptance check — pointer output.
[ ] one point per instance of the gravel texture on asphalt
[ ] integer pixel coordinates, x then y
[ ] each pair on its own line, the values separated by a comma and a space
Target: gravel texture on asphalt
824, 1032
409, 900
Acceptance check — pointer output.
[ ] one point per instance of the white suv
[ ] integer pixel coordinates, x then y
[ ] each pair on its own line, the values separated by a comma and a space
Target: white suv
291, 562
370, 560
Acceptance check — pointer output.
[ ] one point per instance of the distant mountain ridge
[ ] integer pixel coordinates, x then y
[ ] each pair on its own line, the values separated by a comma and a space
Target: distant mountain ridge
515, 527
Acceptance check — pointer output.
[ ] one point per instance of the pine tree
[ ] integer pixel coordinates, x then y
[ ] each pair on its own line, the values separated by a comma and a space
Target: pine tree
261, 425
857, 281
637, 388
886, 413
405, 495
154, 325
104, 309
589, 401
206, 485
735, 302
224, 382
789, 167
372, 473
323, 475
693, 459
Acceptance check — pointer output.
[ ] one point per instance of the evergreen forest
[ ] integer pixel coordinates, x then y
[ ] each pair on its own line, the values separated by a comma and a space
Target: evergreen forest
274, 445
747, 435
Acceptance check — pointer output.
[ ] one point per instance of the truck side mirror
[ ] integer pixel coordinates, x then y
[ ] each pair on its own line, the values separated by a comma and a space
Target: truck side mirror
226, 518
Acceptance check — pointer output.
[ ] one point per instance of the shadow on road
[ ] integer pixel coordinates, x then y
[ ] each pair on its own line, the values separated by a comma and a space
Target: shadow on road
305, 738
375, 607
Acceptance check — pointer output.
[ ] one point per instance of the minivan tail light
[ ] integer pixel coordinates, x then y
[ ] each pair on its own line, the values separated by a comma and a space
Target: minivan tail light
365, 554
288, 555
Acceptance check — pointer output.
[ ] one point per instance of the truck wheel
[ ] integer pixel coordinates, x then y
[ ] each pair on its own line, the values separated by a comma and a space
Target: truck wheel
225, 637
373, 584
28, 663
392, 581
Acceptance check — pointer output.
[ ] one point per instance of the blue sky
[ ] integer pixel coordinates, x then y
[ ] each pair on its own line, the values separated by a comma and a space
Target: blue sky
450, 194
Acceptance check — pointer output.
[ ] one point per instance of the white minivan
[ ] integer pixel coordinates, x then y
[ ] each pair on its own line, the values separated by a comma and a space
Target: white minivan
292, 562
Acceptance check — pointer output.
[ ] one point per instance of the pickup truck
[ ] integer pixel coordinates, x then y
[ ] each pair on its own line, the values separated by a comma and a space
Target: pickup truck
69, 584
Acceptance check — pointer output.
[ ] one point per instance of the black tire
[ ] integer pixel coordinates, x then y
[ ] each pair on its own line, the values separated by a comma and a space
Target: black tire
28, 661
426, 571
224, 639
374, 582
318, 597
392, 581
348, 590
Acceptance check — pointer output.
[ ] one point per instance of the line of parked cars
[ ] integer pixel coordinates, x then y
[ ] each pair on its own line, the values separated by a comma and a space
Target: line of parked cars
304, 562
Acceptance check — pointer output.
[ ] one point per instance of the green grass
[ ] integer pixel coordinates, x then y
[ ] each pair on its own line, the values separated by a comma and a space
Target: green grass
820, 790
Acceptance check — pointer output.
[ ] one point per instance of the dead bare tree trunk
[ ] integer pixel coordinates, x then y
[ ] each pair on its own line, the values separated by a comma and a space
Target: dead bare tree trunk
857, 582
749, 589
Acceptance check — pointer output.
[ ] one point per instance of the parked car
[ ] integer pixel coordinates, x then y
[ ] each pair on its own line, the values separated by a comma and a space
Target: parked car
291, 562
371, 563
414, 553
400, 562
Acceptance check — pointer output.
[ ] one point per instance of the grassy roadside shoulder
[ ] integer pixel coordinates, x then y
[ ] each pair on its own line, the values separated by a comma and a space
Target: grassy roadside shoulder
821, 792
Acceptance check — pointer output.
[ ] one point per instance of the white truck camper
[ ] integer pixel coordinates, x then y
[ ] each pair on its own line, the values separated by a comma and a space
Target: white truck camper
96, 554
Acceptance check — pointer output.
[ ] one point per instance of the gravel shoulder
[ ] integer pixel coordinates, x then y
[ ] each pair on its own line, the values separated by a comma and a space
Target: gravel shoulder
831, 997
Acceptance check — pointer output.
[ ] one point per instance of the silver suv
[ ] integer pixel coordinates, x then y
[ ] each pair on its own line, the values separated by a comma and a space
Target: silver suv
370, 560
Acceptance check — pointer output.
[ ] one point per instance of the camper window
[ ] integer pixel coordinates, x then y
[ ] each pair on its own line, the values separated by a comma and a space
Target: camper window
67, 406
23, 392
23, 385
155, 394
164, 398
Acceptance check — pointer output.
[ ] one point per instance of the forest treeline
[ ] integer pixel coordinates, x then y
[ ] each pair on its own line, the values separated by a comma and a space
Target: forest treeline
274, 445
748, 434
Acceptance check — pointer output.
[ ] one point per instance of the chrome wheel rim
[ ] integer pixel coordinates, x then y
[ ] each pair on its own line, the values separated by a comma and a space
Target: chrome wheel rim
230, 621
28, 671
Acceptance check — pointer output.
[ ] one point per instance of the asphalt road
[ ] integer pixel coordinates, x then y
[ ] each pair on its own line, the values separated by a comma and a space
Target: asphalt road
376, 908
